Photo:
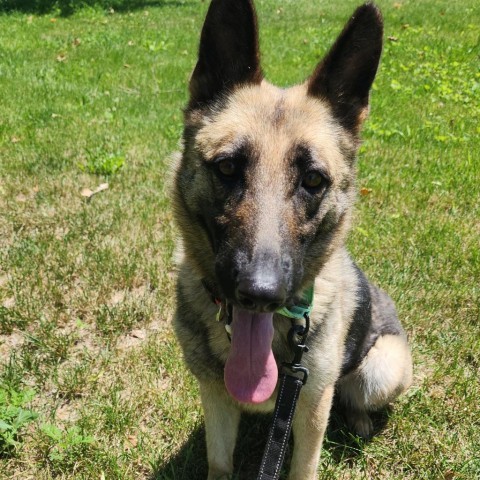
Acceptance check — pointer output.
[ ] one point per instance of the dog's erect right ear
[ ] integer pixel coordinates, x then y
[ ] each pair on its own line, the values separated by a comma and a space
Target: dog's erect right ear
228, 54
345, 75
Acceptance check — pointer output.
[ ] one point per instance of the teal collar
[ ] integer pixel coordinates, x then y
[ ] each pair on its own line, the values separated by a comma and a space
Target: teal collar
298, 311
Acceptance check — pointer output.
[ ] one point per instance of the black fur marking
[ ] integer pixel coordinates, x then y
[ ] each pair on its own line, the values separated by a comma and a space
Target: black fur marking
359, 340
345, 75
198, 354
228, 54
189, 133
203, 224
307, 160
374, 316
302, 161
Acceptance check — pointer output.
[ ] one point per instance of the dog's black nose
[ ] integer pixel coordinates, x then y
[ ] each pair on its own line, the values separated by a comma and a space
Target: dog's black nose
254, 295
261, 287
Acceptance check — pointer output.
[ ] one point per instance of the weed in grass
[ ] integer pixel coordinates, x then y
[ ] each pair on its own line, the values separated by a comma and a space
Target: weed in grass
62, 448
106, 164
13, 416
63, 443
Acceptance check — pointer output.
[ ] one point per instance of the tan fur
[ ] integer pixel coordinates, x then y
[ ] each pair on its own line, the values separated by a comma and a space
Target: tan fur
222, 419
251, 114
384, 373
309, 426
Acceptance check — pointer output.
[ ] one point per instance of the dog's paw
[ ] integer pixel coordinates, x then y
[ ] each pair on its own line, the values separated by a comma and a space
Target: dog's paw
361, 424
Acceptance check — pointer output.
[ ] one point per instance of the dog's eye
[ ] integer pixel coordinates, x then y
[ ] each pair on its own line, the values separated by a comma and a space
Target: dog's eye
227, 167
312, 180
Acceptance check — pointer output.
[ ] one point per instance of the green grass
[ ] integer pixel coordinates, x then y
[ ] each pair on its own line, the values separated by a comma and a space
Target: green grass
86, 284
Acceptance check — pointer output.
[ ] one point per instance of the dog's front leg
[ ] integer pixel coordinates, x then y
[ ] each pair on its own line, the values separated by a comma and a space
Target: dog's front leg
309, 425
221, 425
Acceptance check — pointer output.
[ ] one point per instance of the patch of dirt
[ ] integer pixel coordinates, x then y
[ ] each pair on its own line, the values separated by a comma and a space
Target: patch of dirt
86, 340
116, 298
138, 336
67, 413
9, 343
120, 296
9, 302
3, 280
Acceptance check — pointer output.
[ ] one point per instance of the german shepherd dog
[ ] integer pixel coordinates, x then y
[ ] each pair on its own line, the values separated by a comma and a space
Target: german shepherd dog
263, 195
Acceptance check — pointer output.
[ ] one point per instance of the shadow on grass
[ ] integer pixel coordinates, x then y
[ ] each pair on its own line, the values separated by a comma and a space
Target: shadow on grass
68, 7
191, 461
343, 446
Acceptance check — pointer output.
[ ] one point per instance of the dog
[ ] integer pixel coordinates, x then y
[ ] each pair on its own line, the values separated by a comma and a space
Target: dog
263, 193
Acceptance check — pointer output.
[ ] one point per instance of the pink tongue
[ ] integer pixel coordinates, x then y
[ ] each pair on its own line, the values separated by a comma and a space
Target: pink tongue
251, 371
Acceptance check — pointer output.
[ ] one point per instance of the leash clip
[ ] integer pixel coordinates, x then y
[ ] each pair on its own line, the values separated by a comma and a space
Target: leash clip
299, 348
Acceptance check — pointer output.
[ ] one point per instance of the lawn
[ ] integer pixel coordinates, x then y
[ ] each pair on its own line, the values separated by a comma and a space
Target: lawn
92, 384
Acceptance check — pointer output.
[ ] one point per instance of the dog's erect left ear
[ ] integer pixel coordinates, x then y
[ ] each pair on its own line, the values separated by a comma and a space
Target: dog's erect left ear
345, 75
229, 52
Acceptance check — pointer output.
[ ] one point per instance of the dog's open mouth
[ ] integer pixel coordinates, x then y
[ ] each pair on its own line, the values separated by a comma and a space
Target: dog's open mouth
251, 372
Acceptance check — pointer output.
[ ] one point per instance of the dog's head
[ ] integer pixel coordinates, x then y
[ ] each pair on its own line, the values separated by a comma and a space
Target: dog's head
264, 190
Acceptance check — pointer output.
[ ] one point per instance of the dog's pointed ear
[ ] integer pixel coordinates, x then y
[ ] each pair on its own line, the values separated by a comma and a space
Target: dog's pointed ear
229, 52
345, 75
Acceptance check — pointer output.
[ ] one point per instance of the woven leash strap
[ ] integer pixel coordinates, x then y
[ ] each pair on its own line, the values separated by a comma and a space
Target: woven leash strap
274, 454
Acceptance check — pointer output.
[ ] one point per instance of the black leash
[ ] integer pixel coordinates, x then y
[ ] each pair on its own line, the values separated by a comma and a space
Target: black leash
288, 392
